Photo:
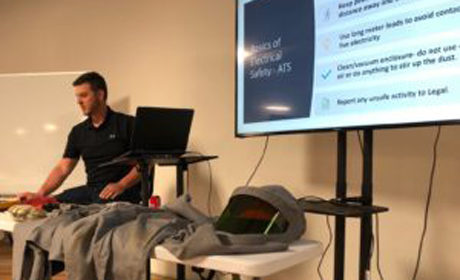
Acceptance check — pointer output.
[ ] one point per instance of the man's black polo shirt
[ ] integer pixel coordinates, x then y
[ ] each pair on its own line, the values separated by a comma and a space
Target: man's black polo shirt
97, 145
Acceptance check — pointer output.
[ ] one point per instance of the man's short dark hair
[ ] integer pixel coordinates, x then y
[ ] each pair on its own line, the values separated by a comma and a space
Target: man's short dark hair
95, 80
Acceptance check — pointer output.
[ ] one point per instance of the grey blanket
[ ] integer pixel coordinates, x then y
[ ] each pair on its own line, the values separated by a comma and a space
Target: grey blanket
114, 241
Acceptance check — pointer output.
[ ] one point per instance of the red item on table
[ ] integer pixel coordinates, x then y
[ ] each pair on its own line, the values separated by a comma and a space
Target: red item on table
155, 202
39, 202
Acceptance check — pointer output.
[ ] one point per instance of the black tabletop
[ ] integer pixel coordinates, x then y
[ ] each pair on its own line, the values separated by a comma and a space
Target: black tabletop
161, 159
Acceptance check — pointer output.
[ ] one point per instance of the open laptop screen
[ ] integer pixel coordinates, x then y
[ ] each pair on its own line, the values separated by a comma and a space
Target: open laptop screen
161, 129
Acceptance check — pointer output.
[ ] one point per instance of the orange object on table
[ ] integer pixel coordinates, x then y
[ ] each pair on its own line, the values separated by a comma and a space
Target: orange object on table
7, 203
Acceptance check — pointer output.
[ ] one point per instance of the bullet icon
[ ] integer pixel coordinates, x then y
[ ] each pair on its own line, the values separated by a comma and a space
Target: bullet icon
326, 43
326, 74
325, 104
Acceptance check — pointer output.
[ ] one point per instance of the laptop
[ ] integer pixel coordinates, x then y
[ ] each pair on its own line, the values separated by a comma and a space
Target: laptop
160, 131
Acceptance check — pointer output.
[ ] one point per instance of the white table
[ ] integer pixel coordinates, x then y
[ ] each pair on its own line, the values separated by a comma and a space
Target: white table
249, 265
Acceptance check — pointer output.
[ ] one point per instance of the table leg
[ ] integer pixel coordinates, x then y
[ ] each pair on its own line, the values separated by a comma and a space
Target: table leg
145, 195
180, 169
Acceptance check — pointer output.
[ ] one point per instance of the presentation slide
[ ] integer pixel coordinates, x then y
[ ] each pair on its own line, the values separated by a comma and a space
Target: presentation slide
320, 64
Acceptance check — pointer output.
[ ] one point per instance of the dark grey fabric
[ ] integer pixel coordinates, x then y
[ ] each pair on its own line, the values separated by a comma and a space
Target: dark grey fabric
113, 241
26, 259
38, 242
203, 239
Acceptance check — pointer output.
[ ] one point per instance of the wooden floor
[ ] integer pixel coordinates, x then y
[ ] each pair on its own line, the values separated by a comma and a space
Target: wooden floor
5, 265
5, 261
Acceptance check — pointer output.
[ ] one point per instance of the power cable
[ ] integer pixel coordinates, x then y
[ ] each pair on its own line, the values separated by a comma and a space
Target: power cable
377, 243
329, 243
428, 203
259, 162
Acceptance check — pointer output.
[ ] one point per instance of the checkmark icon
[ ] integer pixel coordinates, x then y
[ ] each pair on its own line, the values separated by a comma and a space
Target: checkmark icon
326, 75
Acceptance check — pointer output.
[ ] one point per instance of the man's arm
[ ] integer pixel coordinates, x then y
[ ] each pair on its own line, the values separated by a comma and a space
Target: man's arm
113, 190
55, 179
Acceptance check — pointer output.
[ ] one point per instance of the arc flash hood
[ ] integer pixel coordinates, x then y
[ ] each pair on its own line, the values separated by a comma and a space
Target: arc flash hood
255, 220
269, 210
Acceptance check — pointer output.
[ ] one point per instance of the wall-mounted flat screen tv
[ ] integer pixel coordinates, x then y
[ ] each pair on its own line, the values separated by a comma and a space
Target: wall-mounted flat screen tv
311, 65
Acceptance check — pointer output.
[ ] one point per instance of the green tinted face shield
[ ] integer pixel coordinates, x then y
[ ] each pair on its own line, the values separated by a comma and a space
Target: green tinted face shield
246, 214
270, 211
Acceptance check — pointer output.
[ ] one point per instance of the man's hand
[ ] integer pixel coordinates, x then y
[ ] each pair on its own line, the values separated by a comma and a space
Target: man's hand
28, 196
111, 191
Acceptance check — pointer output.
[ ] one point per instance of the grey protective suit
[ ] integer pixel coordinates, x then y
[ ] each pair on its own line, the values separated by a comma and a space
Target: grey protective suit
114, 241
